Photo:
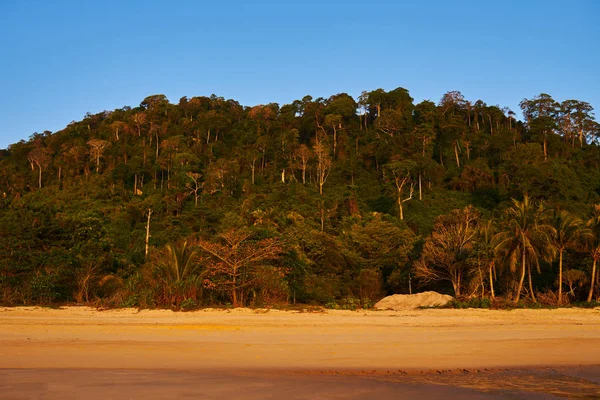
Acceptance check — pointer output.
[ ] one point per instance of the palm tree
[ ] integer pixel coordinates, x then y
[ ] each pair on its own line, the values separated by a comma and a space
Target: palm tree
593, 245
176, 262
566, 233
485, 251
526, 236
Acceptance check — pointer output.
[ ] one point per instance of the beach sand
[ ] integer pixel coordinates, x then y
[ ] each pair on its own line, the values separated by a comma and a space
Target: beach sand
77, 352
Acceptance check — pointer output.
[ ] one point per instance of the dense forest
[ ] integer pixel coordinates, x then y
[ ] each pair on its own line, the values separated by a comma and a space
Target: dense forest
334, 202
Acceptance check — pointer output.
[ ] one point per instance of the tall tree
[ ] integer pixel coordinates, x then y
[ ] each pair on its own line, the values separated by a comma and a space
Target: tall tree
400, 173
40, 157
97, 149
541, 113
323, 165
234, 257
484, 252
526, 237
446, 252
565, 234
593, 246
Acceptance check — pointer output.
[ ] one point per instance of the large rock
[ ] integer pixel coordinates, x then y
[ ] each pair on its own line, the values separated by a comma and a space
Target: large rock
398, 302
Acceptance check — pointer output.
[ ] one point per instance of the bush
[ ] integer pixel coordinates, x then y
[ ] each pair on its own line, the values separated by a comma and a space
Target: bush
42, 289
349, 303
188, 305
585, 304
471, 303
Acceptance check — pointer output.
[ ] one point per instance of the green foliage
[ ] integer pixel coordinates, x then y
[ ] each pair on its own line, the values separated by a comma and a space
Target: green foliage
188, 305
74, 203
471, 303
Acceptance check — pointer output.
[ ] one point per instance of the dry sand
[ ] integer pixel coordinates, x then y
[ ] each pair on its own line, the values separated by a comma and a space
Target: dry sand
468, 353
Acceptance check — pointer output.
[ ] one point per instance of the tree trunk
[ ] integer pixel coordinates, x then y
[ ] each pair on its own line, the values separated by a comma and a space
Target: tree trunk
334, 140
40, 177
531, 285
545, 149
456, 154
147, 232
456, 286
560, 275
593, 282
481, 280
234, 289
518, 297
400, 207
420, 188
303, 174
492, 281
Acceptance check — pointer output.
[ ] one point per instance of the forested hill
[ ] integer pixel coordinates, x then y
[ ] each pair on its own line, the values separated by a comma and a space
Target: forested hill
332, 201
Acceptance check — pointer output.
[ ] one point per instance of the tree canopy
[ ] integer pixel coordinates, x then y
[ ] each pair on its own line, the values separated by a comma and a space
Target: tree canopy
350, 199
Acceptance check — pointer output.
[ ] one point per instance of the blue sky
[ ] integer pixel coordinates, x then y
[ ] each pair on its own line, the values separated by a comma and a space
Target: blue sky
61, 59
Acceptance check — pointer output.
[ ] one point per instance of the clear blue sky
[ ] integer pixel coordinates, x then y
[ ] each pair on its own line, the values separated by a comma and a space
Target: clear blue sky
61, 59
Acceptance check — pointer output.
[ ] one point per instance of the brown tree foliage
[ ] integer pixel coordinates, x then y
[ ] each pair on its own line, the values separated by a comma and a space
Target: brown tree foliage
234, 261
447, 250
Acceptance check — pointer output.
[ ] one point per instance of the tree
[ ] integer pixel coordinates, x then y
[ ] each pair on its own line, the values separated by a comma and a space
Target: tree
484, 253
195, 188
525, 236
323, 165
400, 172
176, 262
565, 234
446, 252
576, 120
40, 157
303, 155
335, 122
234, 258
178, 269
97, 148
541, 112
592, 237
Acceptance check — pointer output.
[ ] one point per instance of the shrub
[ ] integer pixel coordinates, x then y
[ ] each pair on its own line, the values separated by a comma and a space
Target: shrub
188, 305
471, 303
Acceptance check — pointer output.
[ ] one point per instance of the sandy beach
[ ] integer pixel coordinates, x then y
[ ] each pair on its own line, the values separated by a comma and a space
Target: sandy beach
348, 354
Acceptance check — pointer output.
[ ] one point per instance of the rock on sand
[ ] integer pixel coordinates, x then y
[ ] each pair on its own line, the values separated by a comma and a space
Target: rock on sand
399, 302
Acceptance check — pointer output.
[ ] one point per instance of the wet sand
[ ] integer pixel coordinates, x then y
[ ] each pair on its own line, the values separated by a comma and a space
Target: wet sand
478, 354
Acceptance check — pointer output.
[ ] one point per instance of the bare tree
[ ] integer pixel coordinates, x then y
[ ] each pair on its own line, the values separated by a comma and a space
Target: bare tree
97, 148
197, 185
39, 157
234, 258
303, 155
323, 165
400, 172
446, 251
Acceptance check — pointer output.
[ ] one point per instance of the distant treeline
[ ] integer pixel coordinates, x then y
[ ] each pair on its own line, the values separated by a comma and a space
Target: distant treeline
334, 202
